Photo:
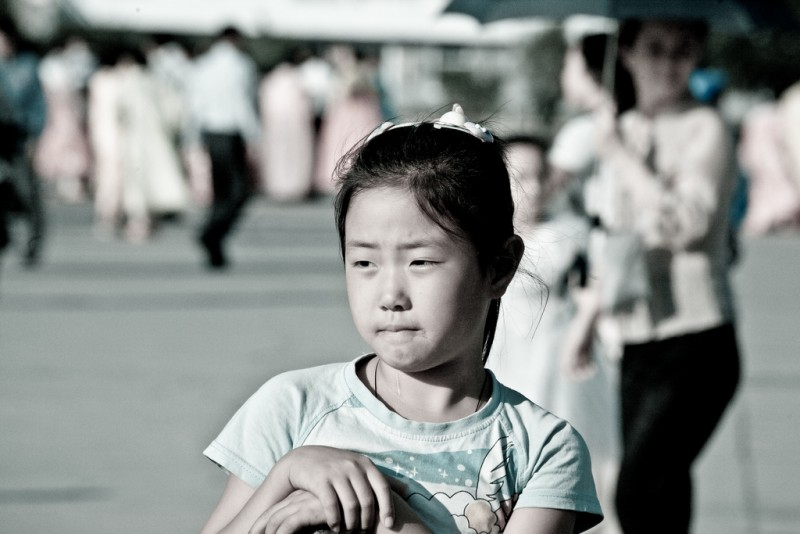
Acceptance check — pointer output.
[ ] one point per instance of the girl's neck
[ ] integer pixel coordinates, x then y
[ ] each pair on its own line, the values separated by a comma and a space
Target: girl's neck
429, 399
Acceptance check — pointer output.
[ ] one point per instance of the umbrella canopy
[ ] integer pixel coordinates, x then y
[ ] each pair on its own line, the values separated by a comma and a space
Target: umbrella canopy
413, 21
736, 16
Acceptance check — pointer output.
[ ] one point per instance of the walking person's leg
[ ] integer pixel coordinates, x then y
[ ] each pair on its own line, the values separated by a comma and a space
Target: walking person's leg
239, 186
674, 393
231, 189
27, 186
36, 216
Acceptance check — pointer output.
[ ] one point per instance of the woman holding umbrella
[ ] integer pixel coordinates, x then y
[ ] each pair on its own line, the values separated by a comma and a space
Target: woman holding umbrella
670, 164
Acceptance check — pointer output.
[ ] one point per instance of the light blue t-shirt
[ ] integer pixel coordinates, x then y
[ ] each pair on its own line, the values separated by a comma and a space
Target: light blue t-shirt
464, 476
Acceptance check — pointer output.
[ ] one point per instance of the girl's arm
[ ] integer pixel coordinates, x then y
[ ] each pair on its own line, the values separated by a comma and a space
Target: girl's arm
302, 510
541, 521
234, 497
346, 483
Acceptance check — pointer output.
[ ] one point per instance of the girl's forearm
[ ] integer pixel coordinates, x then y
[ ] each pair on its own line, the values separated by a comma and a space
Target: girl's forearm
273, 490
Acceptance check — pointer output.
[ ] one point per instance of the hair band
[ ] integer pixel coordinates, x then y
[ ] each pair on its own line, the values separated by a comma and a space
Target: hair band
452, 120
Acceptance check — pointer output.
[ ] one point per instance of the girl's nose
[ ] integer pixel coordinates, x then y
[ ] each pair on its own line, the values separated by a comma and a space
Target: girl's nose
394, 296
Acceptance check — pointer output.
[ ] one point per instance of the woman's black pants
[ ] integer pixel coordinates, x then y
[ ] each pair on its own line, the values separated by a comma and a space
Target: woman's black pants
674, 392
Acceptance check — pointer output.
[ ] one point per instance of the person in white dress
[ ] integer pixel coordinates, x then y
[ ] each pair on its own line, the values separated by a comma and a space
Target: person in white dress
557, 195
537, 312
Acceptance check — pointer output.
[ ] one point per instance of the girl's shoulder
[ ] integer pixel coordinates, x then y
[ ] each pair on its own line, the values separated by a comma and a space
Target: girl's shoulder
303, 389
535, 422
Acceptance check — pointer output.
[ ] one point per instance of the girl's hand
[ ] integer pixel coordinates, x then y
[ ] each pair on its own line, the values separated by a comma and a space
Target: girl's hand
299, 511
352, 492
302, 512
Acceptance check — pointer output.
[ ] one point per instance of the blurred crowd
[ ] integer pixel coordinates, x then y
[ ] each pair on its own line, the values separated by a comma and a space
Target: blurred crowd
120, 126
148, 133
127, 128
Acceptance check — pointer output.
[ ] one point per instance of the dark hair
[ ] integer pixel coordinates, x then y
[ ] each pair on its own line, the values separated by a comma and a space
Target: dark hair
529, 139
230, 32
9, 27
18, 41
696, 29
459, 182
593, 49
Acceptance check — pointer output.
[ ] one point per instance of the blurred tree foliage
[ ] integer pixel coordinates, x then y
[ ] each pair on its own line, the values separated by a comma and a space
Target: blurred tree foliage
768, 60
545, 55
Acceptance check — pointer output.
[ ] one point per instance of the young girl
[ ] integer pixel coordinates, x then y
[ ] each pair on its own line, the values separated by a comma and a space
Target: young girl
417, 433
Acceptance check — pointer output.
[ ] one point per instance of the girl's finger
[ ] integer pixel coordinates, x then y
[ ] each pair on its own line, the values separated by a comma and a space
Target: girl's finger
329, 499
349, 504
260, 524
366, 501
383, 494
301, 510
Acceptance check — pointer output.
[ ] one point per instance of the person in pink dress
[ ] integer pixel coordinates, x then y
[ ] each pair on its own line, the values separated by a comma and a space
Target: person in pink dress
287, 144
352, 111
62, 155
773, 201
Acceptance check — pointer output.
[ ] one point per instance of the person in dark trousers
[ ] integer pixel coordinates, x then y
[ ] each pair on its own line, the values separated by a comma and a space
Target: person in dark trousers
671, 171
224, 119
23, 112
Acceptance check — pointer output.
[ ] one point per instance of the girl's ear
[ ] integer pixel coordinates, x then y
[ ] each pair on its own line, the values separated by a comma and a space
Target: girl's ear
505, 265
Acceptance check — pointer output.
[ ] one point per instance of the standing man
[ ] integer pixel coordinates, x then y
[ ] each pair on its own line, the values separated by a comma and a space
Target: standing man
23, 112
224, 118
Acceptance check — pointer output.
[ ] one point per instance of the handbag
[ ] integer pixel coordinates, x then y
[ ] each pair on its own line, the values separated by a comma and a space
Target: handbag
625, 274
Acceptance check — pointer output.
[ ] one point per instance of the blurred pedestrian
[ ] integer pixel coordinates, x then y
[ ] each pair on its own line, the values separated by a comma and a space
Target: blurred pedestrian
671, 175
62, 154
105, 139
769, 153
352, 110
168, 62
316, 74
789, 104
138, 174
538, 309
224, 119
287, 118
773, 192
23, 111
558, 237
154, 184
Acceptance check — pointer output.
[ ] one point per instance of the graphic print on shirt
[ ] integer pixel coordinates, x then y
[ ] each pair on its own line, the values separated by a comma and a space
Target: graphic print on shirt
475, 495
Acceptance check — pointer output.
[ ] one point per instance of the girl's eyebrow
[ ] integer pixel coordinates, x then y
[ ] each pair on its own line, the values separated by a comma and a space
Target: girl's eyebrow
360, 244
409, 245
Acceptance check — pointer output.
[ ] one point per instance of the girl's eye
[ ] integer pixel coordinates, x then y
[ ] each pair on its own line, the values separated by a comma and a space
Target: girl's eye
362, 264
423, 263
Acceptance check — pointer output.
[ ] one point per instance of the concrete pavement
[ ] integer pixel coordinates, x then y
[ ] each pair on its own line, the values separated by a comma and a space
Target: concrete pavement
120, 362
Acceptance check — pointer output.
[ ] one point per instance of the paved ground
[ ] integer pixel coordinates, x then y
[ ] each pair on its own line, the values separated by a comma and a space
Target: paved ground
119, 363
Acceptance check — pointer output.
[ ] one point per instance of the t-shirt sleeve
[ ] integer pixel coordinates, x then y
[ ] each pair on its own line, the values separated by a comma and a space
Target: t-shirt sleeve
264, 429
562, 478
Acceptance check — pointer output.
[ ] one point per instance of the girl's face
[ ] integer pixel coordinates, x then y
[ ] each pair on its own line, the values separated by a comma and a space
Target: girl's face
660, 61
417, 295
